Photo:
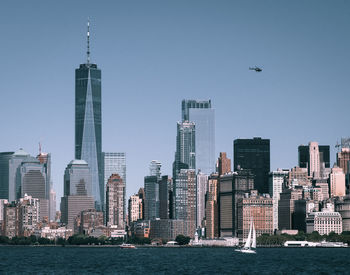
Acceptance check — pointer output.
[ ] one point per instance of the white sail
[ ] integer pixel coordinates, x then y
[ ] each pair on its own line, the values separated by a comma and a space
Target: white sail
249, 239
254, 237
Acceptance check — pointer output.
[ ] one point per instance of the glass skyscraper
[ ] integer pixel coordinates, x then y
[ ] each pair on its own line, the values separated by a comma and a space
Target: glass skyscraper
254, 154
114, 163
203, 116
186, 144
88, 132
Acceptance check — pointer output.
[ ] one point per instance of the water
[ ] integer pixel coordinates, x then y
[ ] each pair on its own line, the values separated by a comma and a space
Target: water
113, 260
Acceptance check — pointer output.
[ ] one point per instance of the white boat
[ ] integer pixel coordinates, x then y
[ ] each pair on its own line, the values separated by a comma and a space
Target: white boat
127, 245
250, 244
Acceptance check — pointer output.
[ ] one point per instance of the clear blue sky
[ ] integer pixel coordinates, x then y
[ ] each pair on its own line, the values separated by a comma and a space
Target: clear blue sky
153, 54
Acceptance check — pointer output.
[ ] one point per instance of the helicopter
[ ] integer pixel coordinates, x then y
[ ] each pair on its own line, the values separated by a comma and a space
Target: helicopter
257, 69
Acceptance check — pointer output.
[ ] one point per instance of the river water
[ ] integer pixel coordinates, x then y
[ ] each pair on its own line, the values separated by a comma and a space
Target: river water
147, 260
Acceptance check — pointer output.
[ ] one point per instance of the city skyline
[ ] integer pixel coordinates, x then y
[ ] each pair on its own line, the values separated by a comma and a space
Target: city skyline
133, 55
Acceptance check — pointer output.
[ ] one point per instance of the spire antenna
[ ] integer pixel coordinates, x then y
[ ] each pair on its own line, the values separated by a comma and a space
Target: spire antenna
88, 42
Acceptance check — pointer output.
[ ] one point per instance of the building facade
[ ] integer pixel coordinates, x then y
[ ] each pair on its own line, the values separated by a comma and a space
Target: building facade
186, 144
201, 190
314, 157
232, 187
254, 154
185, 197
203, 116
135, 209
151, 187
115, 208
224, 164
324, 222
114, 163
276, 180
256, 208
4, 174
88, 123
337, 182
211, 209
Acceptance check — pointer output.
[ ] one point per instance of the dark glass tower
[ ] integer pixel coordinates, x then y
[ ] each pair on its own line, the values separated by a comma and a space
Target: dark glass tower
88, 129
304, 155
254, 154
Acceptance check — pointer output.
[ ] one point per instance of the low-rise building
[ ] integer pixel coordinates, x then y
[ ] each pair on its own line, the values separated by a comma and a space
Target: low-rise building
324, 222
168, 229
54, 233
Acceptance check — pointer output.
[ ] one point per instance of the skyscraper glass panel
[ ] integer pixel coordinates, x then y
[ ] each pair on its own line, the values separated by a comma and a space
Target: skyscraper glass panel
88, 130
203, 116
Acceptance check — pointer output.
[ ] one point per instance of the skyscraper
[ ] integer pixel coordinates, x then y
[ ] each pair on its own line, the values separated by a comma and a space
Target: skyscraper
276, 179
88, 132
115, 208
115, 163
254, 154
14, 188
314, 157
224, 164
45, 160
232, 186
151, 198
203, 116
4, 174
185, 198
154, 168
201, 190
32, 180
185, 144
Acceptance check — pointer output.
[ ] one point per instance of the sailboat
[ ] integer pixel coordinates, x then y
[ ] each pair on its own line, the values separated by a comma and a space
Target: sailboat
250, 244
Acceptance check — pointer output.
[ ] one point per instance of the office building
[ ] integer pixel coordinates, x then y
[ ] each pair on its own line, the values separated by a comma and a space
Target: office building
77, 191
77, 179
286, 206
202, 183
154, 169
168, 230
114, 163
256, 208
211, 209
337, 182
88, 221
52, 204
14, 184
115, 208
151, 188
10, 227
298, 176
185, 197
232, 187
3, 202
4, 174
164, 197
324, 222
254, 154
224, 164
276, 180
88, 132
314, 157
185, 145
29, 218
342, 205
203, 116
31, 178
343, 158
135, 209
71, 207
